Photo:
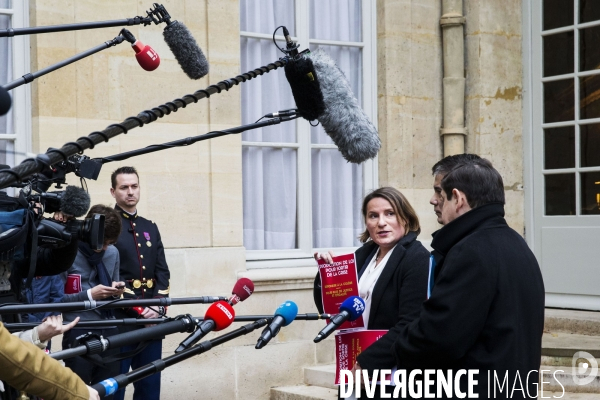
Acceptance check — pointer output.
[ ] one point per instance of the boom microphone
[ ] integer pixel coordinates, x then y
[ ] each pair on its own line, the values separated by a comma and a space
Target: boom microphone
350, 310
322, 92
243, 288
284, 315
186, 50
218, 316
5, 101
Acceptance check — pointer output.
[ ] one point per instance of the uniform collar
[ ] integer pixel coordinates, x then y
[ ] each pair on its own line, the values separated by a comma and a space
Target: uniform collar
125, 214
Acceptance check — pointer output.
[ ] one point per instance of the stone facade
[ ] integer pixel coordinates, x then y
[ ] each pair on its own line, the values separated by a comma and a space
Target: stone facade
194, 194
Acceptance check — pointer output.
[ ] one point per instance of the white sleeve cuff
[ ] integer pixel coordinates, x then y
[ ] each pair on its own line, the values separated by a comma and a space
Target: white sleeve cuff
89, 294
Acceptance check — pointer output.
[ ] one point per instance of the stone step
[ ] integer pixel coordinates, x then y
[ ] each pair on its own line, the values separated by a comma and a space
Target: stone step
558, 348
320, 375
565, 378
303, 392
572, 321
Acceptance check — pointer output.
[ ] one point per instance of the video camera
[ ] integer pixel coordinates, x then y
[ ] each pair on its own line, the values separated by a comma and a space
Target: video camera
73, 201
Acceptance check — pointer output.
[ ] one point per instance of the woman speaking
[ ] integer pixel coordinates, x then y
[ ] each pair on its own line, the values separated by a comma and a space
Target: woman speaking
393, 268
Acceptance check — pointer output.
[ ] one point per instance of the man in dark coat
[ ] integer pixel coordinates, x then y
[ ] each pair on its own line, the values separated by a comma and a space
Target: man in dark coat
145, 273
486, 306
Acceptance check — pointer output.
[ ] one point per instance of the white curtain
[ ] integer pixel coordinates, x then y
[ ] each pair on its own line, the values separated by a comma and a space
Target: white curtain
270, 174
6, 121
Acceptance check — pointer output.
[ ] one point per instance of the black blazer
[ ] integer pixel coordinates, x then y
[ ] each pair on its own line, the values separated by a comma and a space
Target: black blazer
397, 295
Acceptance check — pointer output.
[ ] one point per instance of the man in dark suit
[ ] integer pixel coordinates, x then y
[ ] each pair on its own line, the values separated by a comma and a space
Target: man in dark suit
486, 304
145, 273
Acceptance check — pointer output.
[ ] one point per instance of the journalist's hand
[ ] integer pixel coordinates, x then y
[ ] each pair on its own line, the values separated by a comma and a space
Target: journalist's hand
52, 326
328, 257
93, 393
149, 313
101, 292
120, 291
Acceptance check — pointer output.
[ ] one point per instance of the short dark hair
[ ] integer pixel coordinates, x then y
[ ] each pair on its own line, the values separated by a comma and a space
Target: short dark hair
405, 213
112, 221
448, 163
476, 178
122, 170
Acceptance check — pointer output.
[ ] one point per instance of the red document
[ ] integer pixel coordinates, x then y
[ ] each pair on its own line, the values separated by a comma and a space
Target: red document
348, 345
73, 284
338, 282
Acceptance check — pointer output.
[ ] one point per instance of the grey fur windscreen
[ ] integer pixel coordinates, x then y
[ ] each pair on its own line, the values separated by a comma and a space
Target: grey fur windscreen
75, 201
344, 120
186, 50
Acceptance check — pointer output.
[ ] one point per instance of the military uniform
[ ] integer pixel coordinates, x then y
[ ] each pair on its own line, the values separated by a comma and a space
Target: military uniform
146, 275
143, 265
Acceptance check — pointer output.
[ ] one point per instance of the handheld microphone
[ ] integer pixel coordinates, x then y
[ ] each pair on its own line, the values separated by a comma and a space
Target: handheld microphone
144, 54
5, 101
243, 288
284, 315
185, 49
218, 316
350, 310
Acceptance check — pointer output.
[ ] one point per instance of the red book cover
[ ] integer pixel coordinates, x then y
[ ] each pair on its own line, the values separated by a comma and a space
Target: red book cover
338, 282
73, 284
348, 345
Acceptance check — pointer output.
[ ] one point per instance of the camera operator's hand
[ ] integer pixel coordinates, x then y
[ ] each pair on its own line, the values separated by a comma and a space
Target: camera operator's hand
101, 292
61, 217
52, 326
93, 393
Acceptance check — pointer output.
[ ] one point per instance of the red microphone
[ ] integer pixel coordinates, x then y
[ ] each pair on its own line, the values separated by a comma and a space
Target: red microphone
221, 313
218, 317
146, 56
243, 288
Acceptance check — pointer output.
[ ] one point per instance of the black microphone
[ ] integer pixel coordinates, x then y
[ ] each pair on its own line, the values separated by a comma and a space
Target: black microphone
350, 310
5, 101
284, 113
186, 50
284, 315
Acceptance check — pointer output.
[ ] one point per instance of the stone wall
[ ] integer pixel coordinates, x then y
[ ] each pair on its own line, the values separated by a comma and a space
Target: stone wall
410, 76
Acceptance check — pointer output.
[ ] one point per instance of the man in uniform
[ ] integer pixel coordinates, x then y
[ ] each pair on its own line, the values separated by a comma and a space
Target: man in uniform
145, 273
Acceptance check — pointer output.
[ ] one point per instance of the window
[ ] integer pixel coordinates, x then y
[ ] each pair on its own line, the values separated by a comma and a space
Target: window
571, 107
299, 192
15, 127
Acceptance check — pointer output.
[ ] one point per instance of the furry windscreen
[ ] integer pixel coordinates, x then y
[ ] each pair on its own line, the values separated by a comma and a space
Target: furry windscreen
344, 120
186, 50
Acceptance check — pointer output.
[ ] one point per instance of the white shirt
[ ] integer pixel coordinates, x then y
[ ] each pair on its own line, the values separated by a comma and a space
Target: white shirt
368, 279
